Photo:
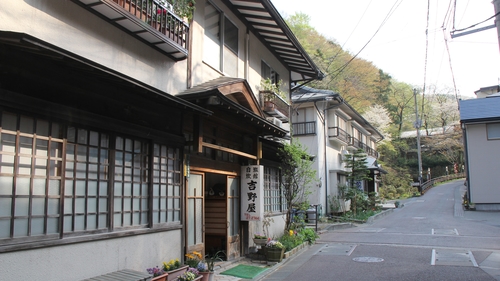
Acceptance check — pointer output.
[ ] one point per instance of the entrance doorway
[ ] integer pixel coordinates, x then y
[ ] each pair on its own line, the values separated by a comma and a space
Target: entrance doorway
218, 207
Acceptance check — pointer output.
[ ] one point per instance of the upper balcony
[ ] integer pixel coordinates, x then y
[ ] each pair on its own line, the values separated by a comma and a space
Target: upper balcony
339, 135
274, 105
355, 143
147, 20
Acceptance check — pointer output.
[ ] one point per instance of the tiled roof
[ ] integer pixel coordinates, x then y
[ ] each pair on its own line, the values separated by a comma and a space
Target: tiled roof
476, 110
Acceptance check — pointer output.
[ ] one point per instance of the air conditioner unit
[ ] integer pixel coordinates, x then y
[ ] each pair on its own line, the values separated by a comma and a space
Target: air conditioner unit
275, 121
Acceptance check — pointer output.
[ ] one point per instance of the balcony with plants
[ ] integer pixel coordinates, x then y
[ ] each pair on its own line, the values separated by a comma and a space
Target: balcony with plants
274, 101
163, 24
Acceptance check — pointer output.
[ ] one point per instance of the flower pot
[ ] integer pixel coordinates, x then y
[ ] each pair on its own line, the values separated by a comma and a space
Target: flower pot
207, 275
162, 277
260, 242
174, 274
274, 254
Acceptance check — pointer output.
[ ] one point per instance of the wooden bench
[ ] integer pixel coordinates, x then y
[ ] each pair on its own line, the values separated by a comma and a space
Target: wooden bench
122, 275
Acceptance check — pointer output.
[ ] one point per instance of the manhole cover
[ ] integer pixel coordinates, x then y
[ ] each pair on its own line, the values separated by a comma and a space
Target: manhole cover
368, 259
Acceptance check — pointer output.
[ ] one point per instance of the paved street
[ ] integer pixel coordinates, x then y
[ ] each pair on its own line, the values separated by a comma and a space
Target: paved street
429, 238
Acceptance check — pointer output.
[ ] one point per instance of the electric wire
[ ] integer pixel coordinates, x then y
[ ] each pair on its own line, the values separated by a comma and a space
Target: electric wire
345, 42
425, 59
339, 70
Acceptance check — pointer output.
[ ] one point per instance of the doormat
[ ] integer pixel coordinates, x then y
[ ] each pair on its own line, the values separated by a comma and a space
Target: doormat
244, 271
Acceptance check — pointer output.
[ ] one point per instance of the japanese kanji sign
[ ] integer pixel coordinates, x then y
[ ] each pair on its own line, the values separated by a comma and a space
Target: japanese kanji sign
252, 193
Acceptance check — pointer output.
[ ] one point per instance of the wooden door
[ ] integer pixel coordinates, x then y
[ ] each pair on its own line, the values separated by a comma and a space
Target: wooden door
195, 213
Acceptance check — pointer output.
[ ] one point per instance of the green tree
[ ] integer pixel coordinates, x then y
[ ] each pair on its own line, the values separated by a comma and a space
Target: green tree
297, 175
355, 163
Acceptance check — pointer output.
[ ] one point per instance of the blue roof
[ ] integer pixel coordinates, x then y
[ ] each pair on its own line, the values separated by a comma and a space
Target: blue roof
483, 109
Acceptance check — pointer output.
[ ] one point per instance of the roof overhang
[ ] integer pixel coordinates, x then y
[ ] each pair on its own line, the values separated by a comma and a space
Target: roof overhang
34, 45
267, 24
235, 96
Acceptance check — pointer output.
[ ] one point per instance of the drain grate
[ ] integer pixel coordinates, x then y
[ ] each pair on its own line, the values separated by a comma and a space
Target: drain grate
453, 257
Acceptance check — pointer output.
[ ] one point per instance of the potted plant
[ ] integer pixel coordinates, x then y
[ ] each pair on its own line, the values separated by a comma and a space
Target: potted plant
271, 90
174, 269
190, 275
158, 274
193, 259
259, 240
206, 268
274, 251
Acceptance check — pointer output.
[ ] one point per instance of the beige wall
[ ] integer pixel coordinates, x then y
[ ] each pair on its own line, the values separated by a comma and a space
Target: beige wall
86, 260
484, 156
66, 25
251, 52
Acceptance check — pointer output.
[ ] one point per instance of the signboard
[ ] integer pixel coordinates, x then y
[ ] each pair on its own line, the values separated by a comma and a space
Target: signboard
252, 193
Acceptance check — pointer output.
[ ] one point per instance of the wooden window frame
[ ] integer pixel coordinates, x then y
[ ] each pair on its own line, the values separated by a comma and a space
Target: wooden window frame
58, 158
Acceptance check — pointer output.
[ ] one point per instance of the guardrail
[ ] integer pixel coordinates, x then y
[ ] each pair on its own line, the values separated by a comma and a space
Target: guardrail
430, 183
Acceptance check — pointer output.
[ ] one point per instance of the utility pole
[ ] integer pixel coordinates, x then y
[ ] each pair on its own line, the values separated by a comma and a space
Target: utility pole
417, 126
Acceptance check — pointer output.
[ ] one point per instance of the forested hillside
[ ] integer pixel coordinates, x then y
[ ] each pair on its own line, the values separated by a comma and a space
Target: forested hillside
389, 105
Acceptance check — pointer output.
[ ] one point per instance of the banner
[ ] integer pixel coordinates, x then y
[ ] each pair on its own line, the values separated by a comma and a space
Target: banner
252, 193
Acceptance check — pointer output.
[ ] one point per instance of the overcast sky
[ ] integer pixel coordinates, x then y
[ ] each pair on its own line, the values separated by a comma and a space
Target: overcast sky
399, 47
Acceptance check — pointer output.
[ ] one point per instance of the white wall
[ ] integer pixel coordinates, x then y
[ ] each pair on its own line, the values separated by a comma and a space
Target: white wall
66, 25
89, 259
483, 155
250, 48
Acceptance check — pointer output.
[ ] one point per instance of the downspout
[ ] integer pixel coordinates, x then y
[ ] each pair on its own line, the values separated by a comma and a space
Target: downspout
466, 150
325, 139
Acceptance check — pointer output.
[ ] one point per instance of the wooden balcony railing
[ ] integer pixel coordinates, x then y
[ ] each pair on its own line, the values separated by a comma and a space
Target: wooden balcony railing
159, 17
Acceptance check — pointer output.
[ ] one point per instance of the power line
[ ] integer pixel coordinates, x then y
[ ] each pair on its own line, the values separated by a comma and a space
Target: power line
389, 14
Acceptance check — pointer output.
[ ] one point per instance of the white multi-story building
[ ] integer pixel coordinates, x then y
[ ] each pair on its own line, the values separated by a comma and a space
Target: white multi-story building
330, 128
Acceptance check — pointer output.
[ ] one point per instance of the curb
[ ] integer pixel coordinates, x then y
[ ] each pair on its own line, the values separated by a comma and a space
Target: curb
379, 215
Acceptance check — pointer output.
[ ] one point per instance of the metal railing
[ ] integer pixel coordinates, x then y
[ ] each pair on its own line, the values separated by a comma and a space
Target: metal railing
339, 133
271, 102
430, 183
304, 128
159, 17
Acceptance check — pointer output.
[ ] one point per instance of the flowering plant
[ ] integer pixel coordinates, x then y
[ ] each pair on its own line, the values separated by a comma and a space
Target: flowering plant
171, 265
202, 267
189, 275
155, 271
258, 236
274, 244
193, 259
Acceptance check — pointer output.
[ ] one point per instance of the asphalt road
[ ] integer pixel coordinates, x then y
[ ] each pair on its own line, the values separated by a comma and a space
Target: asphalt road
429, 238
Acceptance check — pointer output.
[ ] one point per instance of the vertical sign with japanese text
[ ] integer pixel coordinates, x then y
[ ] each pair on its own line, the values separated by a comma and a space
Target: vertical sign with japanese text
252, 193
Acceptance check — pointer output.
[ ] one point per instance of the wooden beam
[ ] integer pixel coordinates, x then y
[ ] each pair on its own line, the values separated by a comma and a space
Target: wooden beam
221, 148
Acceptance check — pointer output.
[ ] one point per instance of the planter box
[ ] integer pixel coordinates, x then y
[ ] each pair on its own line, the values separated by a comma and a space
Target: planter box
162, 277
174, 274
274, 255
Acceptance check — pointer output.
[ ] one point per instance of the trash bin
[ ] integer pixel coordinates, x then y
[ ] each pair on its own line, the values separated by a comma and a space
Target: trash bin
311, 215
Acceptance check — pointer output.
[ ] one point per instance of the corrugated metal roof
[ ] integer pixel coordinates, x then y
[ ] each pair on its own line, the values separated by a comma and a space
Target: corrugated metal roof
477, 110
